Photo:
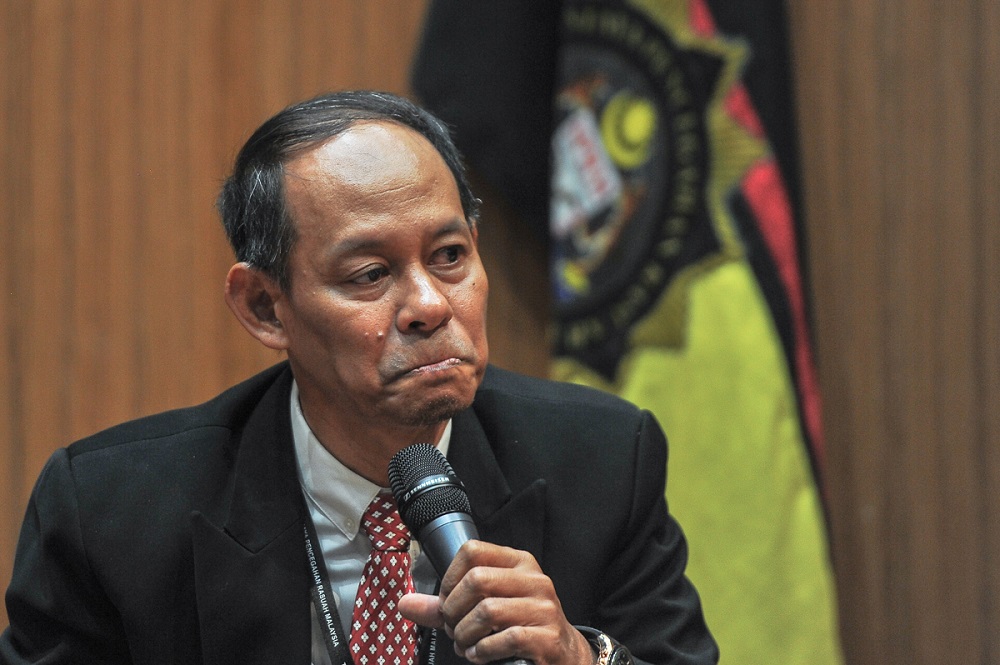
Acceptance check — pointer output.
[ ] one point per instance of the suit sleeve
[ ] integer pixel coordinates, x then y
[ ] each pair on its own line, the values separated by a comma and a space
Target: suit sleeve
57, 609
648, 604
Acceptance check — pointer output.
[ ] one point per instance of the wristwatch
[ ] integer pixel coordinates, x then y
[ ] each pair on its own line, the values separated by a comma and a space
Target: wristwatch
607, 650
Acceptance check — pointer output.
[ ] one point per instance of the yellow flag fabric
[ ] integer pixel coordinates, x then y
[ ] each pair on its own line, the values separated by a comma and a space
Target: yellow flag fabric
740, 481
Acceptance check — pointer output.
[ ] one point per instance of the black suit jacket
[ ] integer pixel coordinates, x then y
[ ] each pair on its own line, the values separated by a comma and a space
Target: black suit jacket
178, 538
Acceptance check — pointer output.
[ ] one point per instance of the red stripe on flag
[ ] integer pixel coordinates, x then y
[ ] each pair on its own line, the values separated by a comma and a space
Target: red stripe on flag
740, 108
766, 196
701, 18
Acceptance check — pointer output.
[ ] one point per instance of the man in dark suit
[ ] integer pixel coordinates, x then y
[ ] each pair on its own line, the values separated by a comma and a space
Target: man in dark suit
220, 533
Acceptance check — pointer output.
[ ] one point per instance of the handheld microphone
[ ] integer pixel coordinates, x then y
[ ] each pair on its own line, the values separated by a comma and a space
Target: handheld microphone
433, 504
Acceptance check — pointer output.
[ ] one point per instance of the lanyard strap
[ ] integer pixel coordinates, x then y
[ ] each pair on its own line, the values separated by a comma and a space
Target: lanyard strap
322, 599
326, 610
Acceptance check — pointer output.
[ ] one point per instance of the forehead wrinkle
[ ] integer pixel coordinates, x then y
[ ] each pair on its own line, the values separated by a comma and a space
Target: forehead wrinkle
295, 174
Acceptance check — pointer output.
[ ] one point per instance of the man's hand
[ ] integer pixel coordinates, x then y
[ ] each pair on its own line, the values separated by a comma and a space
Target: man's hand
496, 603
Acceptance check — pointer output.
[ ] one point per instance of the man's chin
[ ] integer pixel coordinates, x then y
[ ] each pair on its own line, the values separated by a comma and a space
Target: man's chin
431, 400
434, 411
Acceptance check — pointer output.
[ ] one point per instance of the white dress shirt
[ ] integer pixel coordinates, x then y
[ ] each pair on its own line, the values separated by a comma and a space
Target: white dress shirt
337, 498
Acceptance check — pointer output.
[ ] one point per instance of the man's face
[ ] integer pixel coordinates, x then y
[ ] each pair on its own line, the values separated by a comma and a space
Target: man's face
385, 315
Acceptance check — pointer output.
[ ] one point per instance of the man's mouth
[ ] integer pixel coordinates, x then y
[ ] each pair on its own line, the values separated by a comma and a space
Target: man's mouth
435, 366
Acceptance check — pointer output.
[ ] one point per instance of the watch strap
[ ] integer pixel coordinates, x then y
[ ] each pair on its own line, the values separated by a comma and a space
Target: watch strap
607, 650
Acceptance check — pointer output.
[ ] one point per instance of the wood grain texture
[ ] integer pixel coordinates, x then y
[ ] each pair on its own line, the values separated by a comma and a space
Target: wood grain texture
120, 120
897, 105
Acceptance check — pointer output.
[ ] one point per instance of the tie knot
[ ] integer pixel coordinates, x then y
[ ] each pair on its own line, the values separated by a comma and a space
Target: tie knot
384, 526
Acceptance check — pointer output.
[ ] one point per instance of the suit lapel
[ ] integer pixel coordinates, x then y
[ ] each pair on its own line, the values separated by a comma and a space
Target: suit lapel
251, 573
503, 517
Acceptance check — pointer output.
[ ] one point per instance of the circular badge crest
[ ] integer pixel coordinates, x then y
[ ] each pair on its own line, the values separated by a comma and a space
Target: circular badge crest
630, 164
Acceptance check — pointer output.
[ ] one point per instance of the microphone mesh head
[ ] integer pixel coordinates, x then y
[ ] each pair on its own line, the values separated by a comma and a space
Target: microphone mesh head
408, 468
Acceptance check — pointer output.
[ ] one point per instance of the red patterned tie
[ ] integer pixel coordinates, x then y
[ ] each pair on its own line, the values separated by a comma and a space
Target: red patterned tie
379, 633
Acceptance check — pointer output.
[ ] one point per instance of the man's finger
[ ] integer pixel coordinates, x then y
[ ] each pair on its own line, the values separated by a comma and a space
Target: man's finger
477, 553
422, 609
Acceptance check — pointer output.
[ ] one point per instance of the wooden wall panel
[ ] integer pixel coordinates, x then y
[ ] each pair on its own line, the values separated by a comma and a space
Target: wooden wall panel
898, 105
14, 177
986, 213
119, 121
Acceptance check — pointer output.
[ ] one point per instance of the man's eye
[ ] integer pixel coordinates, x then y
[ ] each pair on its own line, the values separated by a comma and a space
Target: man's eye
450, 254
370, 276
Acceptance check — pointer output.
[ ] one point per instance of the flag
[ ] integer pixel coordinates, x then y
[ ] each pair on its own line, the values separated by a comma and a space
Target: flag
675, 232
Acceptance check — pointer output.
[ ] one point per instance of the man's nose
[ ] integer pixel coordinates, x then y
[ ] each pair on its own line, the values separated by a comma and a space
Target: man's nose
424, 307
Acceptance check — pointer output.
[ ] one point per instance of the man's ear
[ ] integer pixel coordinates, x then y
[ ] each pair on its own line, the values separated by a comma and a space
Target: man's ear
252, 295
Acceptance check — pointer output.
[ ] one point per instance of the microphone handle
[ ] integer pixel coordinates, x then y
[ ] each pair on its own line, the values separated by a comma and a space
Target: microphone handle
441, 538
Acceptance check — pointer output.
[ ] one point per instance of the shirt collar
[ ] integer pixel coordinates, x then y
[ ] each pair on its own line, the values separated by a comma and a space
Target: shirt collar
338, 492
